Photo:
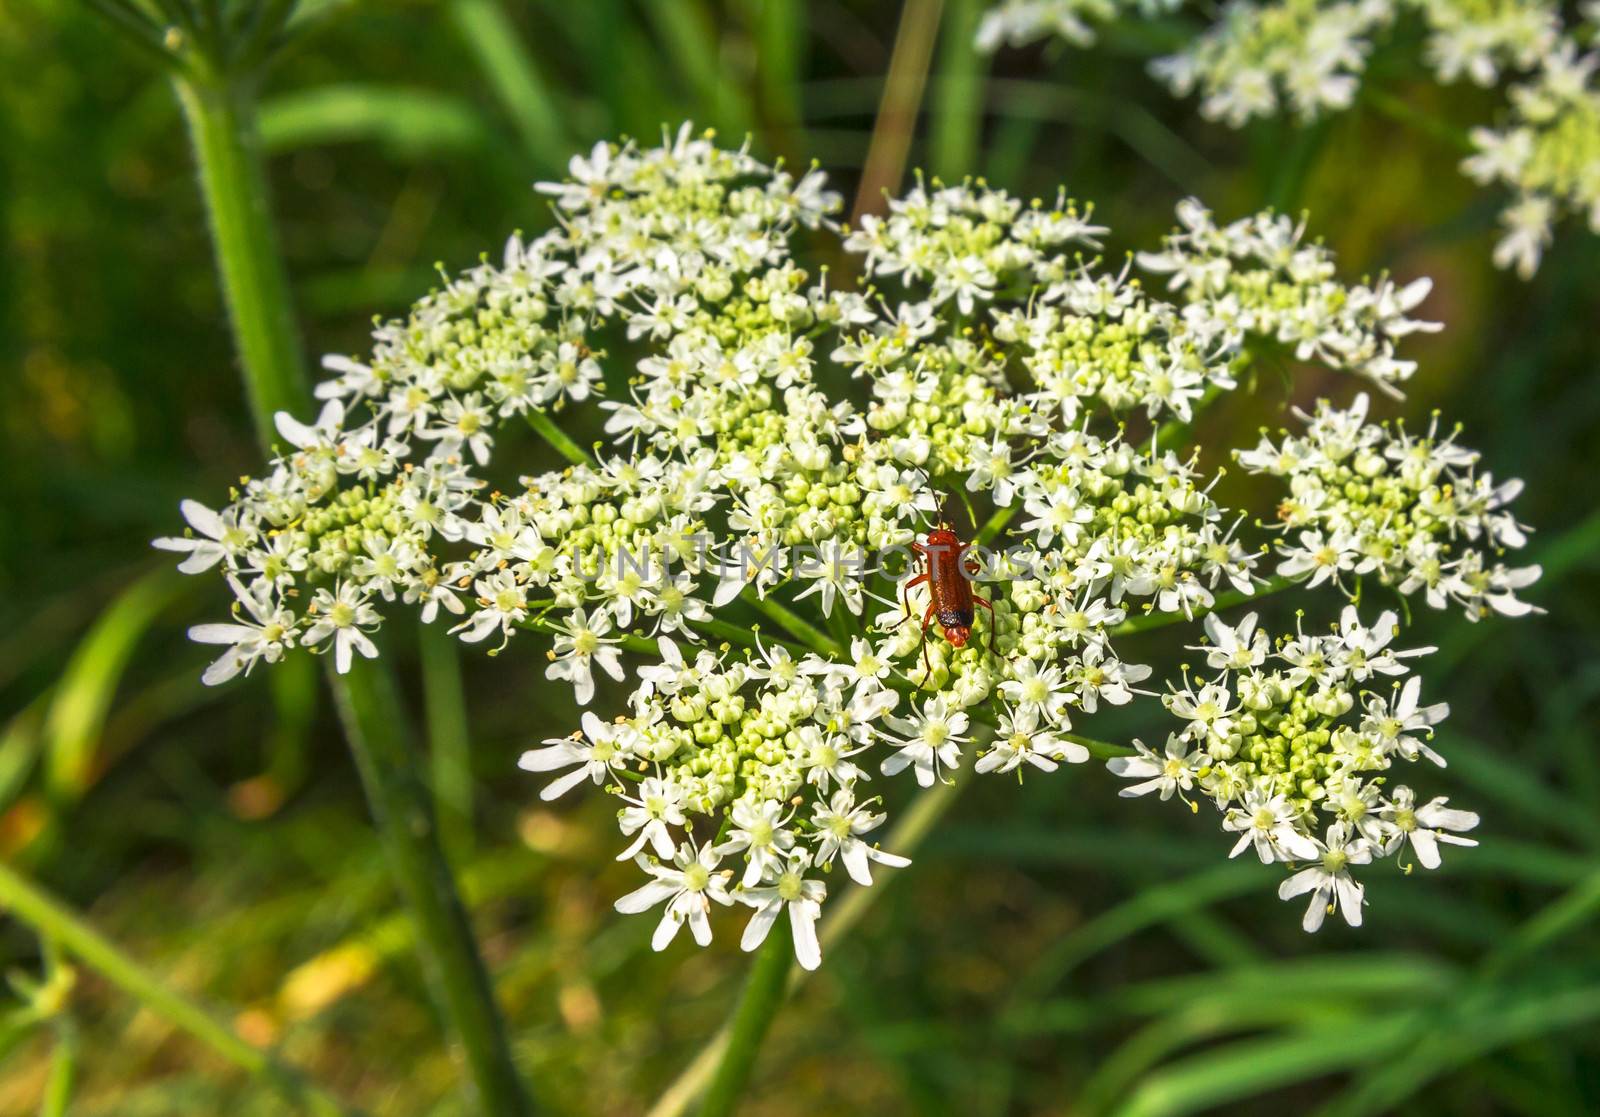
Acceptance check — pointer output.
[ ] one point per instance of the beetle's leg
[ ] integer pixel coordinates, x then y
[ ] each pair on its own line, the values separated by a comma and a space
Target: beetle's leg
986, 604
905, 594
927, 666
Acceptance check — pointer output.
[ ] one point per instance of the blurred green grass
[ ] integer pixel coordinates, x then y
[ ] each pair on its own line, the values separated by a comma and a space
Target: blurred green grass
1055, 950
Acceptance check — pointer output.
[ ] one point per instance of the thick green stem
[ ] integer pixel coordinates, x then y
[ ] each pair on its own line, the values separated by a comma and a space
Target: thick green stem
222, 127
57, 923
374, 722
1147, 621
958, 94
221, 114
764, 992
449, 739
797, 626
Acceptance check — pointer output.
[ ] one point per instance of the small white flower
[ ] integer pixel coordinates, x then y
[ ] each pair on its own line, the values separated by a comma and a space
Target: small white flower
220, 536
1424, 827
581, 645
688, 886
1037, 690
760, 830
650, 814
1020, 740
346, 616
1399, 724
265, 634
1329, 881
600, 749
1210, 713
1171, 774
1268, 823
839, 824
931, 741
1236, 648
788, 888
501, 604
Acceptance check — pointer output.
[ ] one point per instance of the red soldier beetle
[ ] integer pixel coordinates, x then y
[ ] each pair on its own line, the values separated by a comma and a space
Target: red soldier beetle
951, 600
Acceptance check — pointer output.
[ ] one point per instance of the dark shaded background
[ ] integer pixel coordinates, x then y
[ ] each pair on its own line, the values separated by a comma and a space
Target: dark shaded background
1055, 950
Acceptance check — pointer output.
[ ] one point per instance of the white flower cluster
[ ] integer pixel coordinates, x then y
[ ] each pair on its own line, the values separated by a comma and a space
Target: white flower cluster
1258, 276
1290, 740
1258, 58
1412, 511
1020, 22
1547, 153
344, 519
733, 486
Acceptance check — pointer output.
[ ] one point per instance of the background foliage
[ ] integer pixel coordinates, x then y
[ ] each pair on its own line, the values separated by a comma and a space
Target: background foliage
1055, 950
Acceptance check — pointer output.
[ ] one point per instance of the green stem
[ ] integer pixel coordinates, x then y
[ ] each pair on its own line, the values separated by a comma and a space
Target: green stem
802, 629
221, 112
904, 837
63, 1069
1100, 750
1148, 621
1402, 111
994, 525
1292, 163
1170, 433
376, 727
646, 645
222, 126
764, 993
57, 923
565, 446
897, 112
958, 94
449, 739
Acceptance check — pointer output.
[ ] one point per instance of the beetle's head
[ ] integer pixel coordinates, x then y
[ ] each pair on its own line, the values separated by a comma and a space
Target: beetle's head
957, 634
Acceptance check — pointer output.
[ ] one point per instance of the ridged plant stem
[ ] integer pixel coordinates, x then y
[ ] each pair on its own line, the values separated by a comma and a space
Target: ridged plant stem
764, 993
222, 127
377, 729
220, 109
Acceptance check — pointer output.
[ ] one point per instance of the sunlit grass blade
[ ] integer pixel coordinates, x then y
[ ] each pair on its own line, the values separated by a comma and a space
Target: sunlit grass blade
690, 34
896, 122
958, 94
409, 124
781, 48
1246, 1069
65, 928
222, 117
81, 700
522, 90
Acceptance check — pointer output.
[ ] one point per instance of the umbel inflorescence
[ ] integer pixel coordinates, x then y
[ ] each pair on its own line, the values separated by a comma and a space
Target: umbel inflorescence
736, 551
1259, 58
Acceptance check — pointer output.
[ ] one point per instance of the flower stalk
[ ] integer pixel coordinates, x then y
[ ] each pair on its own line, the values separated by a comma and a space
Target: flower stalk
764, 992
376, 727
219, 106
221, 119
